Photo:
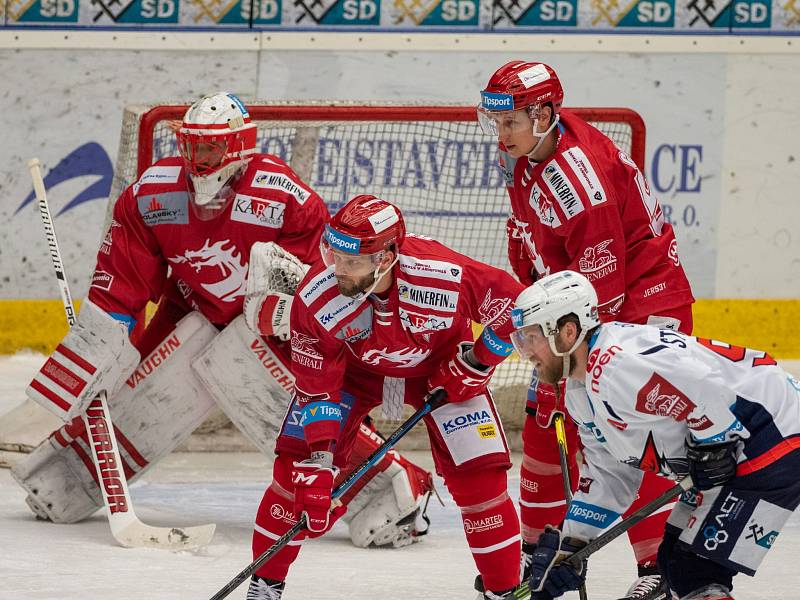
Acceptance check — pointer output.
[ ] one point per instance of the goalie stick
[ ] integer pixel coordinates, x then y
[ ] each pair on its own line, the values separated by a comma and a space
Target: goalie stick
523, 592
126, 527
433, 400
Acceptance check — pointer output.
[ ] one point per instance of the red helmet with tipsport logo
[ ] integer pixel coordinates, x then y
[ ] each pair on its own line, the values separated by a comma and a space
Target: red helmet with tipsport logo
519, 84
365, 225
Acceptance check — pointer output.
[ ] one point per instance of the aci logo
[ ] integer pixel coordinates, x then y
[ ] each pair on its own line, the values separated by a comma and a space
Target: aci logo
238, 12
742, 14
535, 13
338, 12
87, 160
437, 12
137, 11
43, 11
636, 13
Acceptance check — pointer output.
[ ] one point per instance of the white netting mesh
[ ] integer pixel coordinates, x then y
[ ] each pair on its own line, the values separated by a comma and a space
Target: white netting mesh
442, 173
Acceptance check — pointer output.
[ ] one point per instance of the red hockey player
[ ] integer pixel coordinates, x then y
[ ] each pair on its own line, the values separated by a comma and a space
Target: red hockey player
184, 233
578, 202
386, 318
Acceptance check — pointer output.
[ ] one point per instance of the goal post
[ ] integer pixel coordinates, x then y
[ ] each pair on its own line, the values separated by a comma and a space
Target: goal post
432, 160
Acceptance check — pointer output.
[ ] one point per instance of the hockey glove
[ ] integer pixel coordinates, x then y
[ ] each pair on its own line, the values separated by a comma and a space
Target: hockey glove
269, 314
462, 377
549, 575
518, 255
711, 465
313, 484
548, 404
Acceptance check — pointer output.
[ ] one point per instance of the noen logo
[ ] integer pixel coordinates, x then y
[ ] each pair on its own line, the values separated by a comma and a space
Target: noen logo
491, 101
342, 242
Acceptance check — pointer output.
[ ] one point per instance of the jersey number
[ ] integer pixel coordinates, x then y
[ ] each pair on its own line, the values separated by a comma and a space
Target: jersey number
735, 353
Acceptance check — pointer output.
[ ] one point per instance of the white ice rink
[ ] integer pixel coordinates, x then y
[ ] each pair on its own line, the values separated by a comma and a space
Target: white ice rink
42, 561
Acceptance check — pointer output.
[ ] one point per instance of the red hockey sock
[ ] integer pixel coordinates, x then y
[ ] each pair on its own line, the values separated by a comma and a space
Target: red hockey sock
646, 536
541, 494
273, 519
491, 525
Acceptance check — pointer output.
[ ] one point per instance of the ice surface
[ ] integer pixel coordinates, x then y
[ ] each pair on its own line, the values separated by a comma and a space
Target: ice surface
42, 561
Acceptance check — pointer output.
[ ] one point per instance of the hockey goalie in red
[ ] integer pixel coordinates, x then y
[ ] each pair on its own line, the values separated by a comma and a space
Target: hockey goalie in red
578, 202
386, 318
191, 232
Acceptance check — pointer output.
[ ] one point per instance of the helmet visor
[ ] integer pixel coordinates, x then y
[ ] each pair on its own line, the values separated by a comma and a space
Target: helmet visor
347, 263
529, 341
203, 154
495, 122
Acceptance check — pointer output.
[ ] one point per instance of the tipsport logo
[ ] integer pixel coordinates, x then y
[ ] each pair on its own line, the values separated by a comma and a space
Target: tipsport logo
535, 13
736, 14
235, 12
635, 13
42, 11
135, 11
436, 13
337, 12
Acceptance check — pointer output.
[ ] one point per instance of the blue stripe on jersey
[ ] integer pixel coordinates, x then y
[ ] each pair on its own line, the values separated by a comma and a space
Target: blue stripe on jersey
495, 344
591, 514
320, 411
722, 436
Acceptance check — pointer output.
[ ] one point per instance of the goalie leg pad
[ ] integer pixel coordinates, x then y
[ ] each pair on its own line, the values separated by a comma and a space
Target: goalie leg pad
159, 406
249, 378
95, 355
387, 507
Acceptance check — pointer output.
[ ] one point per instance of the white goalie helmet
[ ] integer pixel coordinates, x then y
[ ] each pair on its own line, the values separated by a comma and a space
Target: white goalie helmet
548, 300
216, 139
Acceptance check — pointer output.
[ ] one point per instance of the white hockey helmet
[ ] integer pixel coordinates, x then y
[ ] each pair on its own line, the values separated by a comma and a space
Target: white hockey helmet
216, 139
548, 300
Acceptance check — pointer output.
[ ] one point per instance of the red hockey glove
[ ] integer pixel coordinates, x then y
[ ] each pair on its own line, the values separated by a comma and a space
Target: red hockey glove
518, 256
313, 484
548, 404
462, 377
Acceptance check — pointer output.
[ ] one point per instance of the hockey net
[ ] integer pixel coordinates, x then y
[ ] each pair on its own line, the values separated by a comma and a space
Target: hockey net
431, 160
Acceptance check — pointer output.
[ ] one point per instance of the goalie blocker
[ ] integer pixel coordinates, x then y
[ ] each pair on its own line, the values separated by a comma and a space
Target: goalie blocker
171, 392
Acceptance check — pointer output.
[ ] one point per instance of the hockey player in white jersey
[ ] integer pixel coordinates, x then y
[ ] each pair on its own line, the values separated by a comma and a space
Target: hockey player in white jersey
649, 399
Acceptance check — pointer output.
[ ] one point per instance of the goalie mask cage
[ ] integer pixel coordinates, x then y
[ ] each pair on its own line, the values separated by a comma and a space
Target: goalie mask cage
432, 160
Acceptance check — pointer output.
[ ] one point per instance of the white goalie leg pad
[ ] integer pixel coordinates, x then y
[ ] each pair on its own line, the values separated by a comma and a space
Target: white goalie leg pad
158, 407
95, 355
249, 381
384, 514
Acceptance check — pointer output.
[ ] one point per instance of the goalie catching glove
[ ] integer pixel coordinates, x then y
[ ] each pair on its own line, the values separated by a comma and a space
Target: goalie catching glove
272, 278
550, 576
313, 484
463, 376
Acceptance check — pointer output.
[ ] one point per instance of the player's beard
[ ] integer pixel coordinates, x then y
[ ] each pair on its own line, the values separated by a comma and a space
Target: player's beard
351, 287
553, 371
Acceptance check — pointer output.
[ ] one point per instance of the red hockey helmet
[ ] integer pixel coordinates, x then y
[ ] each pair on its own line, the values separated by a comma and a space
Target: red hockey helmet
365, 225
518, 85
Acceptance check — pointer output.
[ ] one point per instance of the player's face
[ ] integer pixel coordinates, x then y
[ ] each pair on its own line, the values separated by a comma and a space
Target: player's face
532, 345
208, 156
354, 273
515, 132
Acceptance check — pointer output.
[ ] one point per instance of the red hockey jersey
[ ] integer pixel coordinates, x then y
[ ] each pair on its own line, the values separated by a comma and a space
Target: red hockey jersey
589, 209
155, 237
435, 296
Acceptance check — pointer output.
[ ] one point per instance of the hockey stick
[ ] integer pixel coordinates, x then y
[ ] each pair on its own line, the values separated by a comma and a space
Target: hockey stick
431, 402
523, 592
126, 527
561, 438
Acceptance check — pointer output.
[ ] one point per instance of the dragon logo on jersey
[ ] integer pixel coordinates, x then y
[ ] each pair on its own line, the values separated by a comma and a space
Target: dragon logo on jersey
405, 358
494, 311
597, 261
222, 260
659, 397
